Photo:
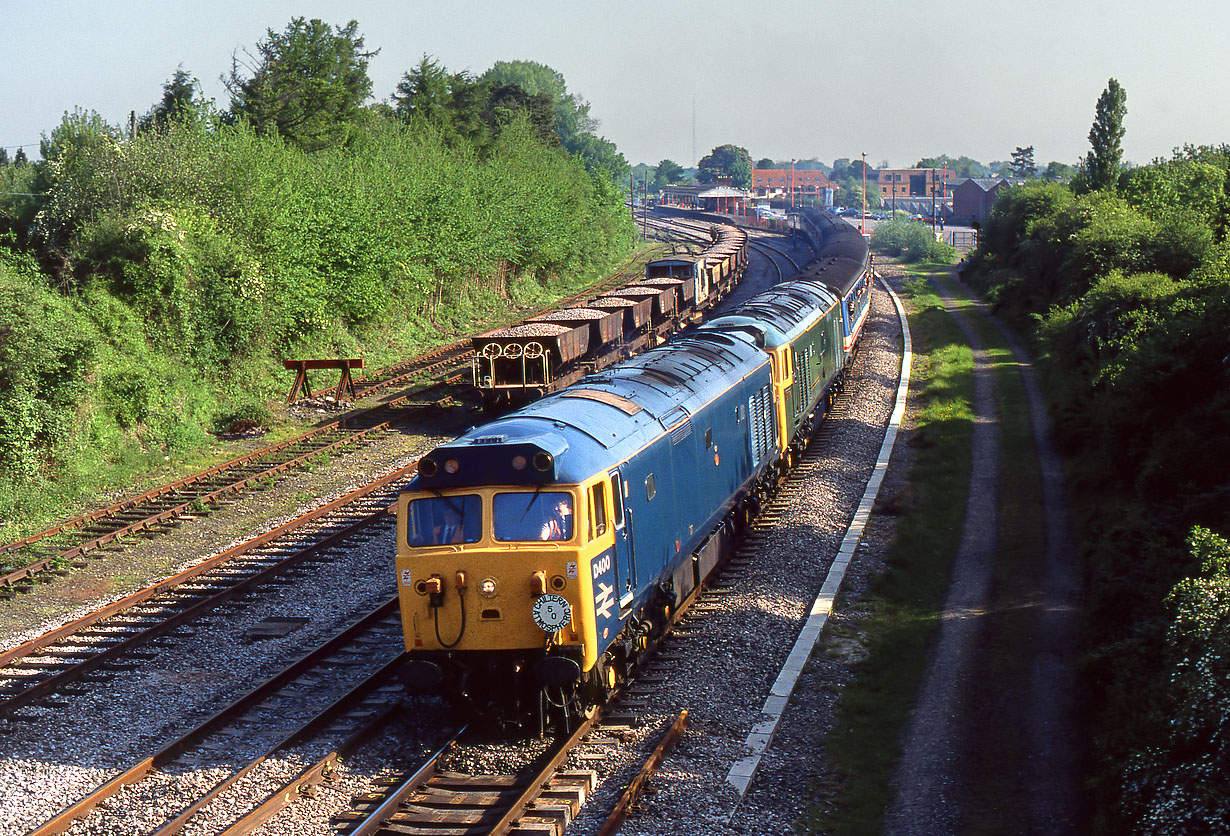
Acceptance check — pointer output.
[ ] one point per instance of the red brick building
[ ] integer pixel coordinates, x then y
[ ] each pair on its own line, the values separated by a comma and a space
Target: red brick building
808, 186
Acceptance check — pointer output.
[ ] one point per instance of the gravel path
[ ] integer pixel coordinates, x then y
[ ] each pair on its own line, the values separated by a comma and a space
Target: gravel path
930, 782
1055, 800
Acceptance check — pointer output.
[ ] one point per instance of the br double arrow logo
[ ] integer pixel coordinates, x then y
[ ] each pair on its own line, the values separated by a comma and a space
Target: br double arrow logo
605, 600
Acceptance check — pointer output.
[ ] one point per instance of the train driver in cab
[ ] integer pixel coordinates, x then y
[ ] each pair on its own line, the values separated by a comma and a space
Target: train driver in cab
450, 529
558, 526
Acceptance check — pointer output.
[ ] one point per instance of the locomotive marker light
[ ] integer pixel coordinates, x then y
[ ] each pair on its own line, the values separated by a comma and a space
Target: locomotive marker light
552, 613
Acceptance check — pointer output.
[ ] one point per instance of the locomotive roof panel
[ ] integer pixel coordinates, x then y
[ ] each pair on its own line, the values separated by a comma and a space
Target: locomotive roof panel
787, 310
838, 274
598, 422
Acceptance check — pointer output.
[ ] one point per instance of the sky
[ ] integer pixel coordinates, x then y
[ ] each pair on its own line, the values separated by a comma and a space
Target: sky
897, 80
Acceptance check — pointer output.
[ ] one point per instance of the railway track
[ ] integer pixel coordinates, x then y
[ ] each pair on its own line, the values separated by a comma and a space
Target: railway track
341, 692
60, 549
698, 231
109, 639
540, 798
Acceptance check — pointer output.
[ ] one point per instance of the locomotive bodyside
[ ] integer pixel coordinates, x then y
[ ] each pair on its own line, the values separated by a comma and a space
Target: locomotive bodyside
651, 457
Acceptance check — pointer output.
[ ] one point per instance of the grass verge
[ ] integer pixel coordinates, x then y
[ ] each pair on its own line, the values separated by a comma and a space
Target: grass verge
904, 602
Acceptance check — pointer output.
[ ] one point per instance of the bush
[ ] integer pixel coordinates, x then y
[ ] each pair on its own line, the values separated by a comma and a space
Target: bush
1180, 788
47, 352
909, 240
244, 417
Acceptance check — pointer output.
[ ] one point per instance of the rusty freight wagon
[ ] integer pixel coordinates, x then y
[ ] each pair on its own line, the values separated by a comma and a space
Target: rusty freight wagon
517, 364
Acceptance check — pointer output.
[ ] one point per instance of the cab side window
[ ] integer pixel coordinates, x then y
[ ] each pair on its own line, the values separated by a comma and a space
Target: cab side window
617, 497
597, 509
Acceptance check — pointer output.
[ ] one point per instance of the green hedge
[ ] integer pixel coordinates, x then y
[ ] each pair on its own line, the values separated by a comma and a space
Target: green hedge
150, 291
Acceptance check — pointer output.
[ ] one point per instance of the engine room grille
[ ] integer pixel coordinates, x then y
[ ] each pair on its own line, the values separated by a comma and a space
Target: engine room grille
760, 427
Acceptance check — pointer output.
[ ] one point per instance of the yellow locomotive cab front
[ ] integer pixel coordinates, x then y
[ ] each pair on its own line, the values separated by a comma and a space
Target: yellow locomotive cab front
499, 571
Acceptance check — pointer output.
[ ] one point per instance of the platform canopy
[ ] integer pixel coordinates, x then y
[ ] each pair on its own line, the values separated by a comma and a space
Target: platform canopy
713, 198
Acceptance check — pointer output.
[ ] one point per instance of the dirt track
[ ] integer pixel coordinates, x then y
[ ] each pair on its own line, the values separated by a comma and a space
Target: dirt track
931, 783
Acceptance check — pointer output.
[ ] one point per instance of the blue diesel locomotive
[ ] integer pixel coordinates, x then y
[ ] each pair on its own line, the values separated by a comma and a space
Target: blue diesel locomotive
540, 555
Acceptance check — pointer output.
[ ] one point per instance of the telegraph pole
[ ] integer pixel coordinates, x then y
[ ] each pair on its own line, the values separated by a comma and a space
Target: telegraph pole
863, 225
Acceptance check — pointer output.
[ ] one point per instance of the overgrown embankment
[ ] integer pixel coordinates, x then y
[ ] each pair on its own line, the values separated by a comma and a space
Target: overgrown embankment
150, 287
1126, 293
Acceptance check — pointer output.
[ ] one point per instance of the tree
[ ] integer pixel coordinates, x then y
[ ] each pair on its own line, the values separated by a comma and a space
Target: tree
1101, 169
668, 173
1058, 172
423, 91
851, 192
600, 155
575, 127
571, 111
960, 166
1023, 163
765, 162
456, 104
77, 130
4, 157
20, 157
307, 84
504, 101
179, 97
848, 176
726, 161
468, 109
856, 169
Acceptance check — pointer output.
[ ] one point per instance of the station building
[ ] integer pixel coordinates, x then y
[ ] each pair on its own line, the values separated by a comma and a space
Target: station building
915, 182
722, 199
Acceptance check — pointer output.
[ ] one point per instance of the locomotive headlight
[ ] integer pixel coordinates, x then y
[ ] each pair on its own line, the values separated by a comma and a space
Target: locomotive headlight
451, 466
519, 463
487, 587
